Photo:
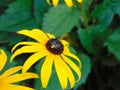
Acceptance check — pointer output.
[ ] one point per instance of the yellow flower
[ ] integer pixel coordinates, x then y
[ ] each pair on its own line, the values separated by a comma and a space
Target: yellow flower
9, 76
56, 53
69, 3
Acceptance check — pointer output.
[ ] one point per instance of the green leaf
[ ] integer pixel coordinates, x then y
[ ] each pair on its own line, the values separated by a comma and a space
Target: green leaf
60, 20
113, 44
4, 5
86, 38
11, 39
105, 12
18, 16
93, 39
86, 5
115, 6
40, 7
86, 69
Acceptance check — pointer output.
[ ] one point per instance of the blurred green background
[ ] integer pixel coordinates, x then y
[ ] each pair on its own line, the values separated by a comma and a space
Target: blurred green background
92, 28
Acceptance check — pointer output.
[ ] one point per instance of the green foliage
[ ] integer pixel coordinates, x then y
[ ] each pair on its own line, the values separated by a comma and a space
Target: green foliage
85, 70
104, 13
86, 38
11, 39
60, 20
113, 43
92, 28
86, 5
93, 39
18, 16
40, 7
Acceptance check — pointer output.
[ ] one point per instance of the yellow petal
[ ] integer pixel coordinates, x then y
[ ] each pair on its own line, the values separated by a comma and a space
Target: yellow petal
69, 3
10, 72
68, 53
61, 72
73, 66
65, 43
25, 49
80, 1
5, 86
55, 2
24, 43
36, 34
48, 1
19, 77
3, 59
69, 73
50, 35
32, 60
46, 70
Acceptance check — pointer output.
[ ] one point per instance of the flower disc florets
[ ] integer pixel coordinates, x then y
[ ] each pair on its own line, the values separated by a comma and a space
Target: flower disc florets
54, 46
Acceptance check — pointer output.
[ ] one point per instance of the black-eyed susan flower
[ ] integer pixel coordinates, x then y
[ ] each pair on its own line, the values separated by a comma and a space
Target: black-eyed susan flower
69, 3
56, 53
9, 77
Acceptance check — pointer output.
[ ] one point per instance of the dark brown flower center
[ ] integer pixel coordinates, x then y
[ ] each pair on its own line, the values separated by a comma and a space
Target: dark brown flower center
54, 46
